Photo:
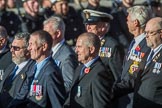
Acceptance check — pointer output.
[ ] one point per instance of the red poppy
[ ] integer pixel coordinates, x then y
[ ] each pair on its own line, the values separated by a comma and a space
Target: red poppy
87, 70
138, 48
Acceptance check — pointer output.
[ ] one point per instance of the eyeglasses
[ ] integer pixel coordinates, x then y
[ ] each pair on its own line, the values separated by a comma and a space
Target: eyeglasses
152, 33
16, 48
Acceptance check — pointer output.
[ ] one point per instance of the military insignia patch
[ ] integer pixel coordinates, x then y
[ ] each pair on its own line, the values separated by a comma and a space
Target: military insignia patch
133, 67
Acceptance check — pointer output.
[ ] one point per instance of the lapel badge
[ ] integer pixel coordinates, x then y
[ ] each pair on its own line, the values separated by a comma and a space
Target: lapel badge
156, 57
78, 91
138, 48
22, 76
102, 42
1, 74
133, 67
87, 70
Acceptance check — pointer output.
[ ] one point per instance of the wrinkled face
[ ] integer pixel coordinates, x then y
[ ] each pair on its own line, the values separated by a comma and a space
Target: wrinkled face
130, 24
153, 36
92, 28
61, 8
82, 50
98, 28
2, 4
35, 48
95, 28
19, 51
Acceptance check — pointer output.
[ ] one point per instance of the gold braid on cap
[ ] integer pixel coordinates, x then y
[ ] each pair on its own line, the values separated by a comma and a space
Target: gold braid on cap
87, 15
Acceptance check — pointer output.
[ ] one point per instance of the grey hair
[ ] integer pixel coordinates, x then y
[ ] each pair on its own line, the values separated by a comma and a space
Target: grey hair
57, 22
44, 37
24, 36
141, 13
3, 32
91, 40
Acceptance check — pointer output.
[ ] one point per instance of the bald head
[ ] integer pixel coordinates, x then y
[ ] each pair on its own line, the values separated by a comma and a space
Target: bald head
87, 47
153, 32
154, 23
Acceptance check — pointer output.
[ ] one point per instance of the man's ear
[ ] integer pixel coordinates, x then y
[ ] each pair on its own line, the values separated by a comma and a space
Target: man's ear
136, 22
45, 46
92, 49
58, 33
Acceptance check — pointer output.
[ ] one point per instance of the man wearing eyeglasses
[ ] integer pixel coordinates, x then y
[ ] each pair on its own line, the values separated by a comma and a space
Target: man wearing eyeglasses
45, 88
148, 89
5, 54
136, 21
16, 73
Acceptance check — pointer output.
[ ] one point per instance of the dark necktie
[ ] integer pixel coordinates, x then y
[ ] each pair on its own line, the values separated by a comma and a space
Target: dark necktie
150, 57
131, 45
8, 82
14, 72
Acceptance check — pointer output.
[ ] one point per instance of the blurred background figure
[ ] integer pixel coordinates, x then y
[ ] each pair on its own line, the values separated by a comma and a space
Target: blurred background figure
73, 21
32, 20
156, 7
5, 54
11, 4
95, 5
110, 51
62, 53
119, 26
45, 9
8, 19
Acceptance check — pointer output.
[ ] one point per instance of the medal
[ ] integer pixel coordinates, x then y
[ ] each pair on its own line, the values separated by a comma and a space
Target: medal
157, 68
22, 76
78, 91
39, 95
1, 74
133, 67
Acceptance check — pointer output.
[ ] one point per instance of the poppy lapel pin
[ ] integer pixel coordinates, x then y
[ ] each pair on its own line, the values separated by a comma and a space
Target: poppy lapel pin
87, 70
138, 48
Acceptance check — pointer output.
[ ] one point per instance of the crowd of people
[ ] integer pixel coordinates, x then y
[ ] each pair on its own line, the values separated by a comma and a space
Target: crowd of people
54, 56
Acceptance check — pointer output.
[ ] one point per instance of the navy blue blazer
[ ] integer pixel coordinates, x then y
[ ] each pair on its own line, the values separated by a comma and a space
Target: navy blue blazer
53, 90
91, 90
148, 85
8, 88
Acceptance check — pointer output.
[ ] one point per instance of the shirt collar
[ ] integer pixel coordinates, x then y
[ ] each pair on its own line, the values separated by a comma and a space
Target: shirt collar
88, 64
57, 46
